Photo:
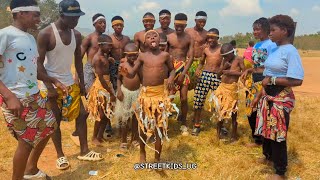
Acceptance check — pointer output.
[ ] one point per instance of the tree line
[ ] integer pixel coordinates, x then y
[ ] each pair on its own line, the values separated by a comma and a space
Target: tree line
49, 13
304, 42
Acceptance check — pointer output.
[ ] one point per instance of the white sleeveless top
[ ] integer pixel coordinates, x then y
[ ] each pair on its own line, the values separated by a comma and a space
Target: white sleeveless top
59, 60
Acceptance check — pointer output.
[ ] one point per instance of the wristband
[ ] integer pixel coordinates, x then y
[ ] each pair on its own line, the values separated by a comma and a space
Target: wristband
273, 80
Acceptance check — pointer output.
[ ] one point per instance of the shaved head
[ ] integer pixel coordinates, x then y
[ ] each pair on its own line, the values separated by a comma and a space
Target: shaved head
130, 47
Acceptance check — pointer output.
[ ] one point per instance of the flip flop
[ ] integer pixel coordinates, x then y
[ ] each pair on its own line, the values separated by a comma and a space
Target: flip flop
184, 130
91, 156
60, 161
195, 131
39, 175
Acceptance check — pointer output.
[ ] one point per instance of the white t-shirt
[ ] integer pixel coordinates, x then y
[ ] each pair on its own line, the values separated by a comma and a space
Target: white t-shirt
18, 68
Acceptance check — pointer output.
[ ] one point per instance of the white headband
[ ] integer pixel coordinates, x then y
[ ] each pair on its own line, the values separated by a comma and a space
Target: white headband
100, 17
25, 8
228, 52
201, 17
163, 43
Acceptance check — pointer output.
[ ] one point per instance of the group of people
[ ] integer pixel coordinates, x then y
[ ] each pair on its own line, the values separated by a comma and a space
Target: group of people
137, 80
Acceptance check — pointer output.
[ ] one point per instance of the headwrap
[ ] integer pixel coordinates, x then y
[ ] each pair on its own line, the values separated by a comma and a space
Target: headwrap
118, 21
212, 34
152, 30
98, 18
180, 21
25, 8
201, 17
229, 52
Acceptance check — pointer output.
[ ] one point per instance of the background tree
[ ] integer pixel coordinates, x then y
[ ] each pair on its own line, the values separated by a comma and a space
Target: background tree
49, 13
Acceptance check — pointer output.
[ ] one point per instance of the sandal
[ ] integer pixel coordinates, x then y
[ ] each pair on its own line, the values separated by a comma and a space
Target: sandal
195, 131
39, 175
124, 146
184, 130
60, 161
224, 131
91, 156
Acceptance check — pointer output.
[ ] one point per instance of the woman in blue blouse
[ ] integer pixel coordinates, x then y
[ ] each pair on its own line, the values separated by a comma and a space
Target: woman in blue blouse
283, 70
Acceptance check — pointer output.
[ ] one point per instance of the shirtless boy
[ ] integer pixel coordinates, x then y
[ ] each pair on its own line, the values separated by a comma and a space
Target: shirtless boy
180, 44
199, 35
209, 79
148, 21
165, 20
226, 94
119, 42
90, 47
163, 45
153, 102
101, 97
127, 94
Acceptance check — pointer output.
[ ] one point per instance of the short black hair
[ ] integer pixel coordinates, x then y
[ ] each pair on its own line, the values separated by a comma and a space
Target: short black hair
148, 14
251, 43
181, 16
104, 37
96, 16
233, 42
201, 13
283, 21
226, 48
164, 11
215, 30
163, 36
117, 18
264, 23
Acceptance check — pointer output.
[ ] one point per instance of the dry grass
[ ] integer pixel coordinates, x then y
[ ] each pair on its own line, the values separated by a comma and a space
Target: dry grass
215, 159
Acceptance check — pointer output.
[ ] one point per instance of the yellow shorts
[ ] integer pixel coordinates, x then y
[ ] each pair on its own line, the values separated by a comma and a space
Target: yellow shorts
69, 105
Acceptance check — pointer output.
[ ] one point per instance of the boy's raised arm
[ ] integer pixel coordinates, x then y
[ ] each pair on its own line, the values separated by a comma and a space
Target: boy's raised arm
130, 73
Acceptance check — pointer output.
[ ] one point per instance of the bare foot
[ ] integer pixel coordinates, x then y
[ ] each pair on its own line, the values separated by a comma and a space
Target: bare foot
97, 143
233, 139
143, 158
264, 161
75, 133
276, 177
252, 145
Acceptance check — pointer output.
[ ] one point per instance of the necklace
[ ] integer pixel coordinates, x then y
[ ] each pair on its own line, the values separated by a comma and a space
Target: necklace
119, 39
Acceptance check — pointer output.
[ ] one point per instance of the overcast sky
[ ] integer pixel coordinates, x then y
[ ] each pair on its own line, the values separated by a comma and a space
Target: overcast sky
229, 16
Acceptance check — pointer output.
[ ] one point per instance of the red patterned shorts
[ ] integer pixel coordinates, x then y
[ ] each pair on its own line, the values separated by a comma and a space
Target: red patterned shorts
36, 121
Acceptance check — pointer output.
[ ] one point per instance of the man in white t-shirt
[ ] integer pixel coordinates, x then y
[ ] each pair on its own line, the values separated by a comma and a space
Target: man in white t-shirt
25, 111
